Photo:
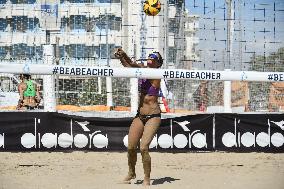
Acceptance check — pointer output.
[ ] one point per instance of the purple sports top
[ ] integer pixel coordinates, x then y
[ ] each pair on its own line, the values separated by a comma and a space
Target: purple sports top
145, 87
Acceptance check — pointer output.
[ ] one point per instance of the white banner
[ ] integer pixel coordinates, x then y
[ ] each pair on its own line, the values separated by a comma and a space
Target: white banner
148, 73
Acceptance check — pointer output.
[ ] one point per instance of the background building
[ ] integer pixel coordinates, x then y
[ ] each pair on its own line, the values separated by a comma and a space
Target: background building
86, 32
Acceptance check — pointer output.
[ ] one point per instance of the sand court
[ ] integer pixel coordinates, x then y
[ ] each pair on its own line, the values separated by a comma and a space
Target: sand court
91, 170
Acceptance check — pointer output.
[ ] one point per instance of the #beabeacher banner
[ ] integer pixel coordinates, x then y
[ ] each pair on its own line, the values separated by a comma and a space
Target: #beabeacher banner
175, 74
46, 131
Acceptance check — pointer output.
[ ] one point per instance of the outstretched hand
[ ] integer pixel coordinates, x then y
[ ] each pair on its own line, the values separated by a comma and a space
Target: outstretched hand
119, 53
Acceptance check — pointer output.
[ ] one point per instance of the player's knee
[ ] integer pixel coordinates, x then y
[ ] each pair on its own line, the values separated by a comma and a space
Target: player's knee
144, 148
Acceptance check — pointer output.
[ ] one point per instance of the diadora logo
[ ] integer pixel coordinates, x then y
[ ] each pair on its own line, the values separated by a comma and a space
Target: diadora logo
183, 125
83, 125
138, 72
26, 68
190, 138
65, 140
280, 124
2, 143
252, 139
244, 76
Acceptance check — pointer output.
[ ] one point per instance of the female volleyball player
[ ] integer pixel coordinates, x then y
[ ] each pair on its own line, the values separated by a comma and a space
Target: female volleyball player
148, 118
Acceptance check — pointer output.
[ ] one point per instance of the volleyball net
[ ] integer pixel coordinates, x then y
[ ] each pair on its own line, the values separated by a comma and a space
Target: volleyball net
193, 37
92, 88
90, 94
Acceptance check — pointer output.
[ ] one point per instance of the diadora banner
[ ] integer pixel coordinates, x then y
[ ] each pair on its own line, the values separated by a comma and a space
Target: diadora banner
44, 131
249, 132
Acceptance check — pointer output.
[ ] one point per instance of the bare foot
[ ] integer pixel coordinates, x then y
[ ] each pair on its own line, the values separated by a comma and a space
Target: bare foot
146, 181
128, 178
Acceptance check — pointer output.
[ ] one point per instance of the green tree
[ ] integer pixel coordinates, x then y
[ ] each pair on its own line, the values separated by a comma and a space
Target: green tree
273, 62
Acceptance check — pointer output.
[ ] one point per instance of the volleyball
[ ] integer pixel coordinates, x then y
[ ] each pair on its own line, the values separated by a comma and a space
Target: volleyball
152, 7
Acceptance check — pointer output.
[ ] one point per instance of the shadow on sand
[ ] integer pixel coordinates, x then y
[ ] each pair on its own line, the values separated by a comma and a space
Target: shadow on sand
159, 180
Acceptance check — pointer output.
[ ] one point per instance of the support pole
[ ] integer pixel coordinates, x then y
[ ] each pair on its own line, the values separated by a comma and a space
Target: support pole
48, 81
108, 79
109, 92
227, 95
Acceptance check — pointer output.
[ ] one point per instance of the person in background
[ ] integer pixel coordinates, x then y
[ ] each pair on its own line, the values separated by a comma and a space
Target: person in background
29, 93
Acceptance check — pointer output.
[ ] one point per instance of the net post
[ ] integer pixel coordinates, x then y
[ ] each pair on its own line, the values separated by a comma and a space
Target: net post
134, 94
227, 95
48, 81
109, 92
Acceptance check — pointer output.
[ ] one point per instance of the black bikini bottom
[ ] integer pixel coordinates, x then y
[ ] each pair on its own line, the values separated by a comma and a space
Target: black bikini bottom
29, 107
145, 118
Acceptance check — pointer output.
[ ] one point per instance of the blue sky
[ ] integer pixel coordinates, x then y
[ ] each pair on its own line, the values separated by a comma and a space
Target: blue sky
258, 24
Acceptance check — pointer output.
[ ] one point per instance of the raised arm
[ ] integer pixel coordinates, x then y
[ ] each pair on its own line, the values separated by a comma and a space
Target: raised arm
125, 60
